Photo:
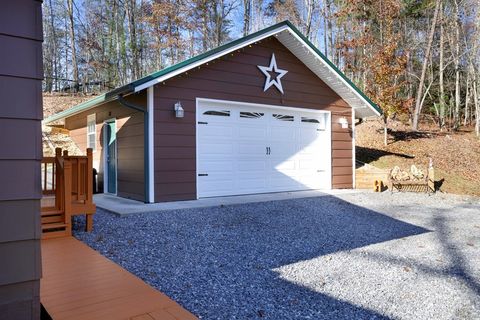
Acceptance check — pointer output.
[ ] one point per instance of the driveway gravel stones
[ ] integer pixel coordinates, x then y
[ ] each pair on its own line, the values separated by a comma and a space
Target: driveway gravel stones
351, 256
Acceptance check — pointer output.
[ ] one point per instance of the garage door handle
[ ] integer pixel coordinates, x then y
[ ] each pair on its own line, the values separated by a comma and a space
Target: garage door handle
268, 150
203, 174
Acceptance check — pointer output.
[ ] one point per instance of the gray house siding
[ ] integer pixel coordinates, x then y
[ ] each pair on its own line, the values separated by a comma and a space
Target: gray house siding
20, 156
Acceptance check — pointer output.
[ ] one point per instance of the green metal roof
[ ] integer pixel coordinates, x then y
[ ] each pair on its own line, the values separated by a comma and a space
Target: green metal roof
130, 88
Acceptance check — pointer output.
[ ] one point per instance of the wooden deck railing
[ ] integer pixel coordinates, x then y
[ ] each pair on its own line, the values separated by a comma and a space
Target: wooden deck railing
70, 179
48, 175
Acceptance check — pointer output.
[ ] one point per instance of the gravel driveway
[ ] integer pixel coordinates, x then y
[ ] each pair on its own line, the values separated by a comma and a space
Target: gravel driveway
352, 256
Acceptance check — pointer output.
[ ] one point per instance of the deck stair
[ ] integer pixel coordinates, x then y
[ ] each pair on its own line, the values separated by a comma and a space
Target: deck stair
70, 180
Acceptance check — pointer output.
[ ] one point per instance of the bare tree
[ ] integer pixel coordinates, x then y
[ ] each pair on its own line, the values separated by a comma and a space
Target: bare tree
72, 44
418, 101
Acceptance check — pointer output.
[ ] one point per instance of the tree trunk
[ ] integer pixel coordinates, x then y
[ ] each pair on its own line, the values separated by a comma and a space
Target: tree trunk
385, 130
418, 100
476, 104
247, 13
130, 7
456, 115
441, 69
72, 45
330, 29
310, 5
467, 97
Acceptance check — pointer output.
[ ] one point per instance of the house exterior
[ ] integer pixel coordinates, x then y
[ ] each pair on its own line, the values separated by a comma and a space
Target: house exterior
20, 156
264, 113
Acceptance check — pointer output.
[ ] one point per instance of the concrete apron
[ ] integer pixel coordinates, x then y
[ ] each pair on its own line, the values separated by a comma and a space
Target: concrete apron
123, 206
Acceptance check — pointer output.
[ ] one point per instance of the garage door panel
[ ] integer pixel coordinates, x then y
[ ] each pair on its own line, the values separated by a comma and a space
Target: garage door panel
251, 132
284, 165
216, 131
252, 150
223, 149
257, 150
252, 185
208, 166
312, 181
258, 166
284, 134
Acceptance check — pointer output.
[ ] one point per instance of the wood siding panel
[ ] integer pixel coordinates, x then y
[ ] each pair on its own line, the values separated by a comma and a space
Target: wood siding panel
130, 141
16, 221
15, 134
15, 171
21, 57
16, 300
18, 97
22, 18
237, 78
23, 263
20, 155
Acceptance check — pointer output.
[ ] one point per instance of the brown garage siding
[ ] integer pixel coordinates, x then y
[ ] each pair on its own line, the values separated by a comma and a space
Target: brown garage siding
20, 155
237, 78
130, 141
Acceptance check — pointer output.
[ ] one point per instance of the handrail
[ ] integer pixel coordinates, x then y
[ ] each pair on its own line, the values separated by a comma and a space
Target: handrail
48, 175
72, 183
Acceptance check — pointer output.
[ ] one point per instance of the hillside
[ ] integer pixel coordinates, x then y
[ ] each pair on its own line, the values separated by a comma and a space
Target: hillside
56, 102
53, 137
455, 155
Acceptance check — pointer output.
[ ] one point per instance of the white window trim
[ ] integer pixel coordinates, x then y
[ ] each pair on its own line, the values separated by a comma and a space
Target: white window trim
92, 118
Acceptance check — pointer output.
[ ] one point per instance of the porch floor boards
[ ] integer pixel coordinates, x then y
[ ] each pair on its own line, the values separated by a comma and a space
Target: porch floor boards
79, 283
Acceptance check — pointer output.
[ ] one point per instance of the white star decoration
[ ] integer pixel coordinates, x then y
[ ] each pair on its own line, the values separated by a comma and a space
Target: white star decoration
276, 80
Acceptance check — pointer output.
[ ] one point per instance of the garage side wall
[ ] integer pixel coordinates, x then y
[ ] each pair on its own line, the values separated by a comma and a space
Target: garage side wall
130, 141
21, 77
237, 78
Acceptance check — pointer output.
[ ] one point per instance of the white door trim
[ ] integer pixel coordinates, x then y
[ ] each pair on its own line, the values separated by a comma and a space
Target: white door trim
151, 148
219, 103
105, 164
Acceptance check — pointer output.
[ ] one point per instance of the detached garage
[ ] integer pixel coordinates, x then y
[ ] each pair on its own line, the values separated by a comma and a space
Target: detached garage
265, 113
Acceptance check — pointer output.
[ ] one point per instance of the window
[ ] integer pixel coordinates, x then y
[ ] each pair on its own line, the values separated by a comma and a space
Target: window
310, 120
282, 117
251, 115
91, 132
319, 121
223, 113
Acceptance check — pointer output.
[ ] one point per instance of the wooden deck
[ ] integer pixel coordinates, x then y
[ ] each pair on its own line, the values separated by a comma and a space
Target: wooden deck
79, 283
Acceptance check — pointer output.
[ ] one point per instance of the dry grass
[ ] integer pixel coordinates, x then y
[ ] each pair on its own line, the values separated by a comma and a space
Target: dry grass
455, 155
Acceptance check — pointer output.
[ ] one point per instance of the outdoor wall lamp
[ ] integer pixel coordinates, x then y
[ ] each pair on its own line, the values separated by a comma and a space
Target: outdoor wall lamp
179, 112
344, 122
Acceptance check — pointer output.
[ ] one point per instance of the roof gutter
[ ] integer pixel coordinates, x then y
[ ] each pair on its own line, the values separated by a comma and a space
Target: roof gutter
90, 104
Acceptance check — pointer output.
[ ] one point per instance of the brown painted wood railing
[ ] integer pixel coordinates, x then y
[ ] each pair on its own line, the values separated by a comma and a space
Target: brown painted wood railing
48, 175
72, 182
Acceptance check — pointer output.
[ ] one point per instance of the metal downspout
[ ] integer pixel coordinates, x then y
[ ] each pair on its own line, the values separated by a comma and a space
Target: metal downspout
146, 143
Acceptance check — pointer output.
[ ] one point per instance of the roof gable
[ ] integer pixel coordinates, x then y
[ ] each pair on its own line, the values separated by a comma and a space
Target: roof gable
287, 34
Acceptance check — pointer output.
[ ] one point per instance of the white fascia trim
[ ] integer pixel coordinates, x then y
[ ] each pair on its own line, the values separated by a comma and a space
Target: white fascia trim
335, 73
210, 58
151, 149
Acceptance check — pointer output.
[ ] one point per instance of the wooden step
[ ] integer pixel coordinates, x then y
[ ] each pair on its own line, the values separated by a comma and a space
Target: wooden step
53, 226
55, 234
53, 219
51, 213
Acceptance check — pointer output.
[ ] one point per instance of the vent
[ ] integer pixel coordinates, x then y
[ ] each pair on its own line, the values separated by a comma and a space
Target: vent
283, 117
251, 115
222, 113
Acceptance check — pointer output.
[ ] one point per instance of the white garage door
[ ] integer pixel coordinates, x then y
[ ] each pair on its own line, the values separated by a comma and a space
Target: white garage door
245, 149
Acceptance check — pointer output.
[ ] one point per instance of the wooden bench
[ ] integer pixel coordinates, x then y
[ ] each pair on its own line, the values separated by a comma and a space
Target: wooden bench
426, 183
